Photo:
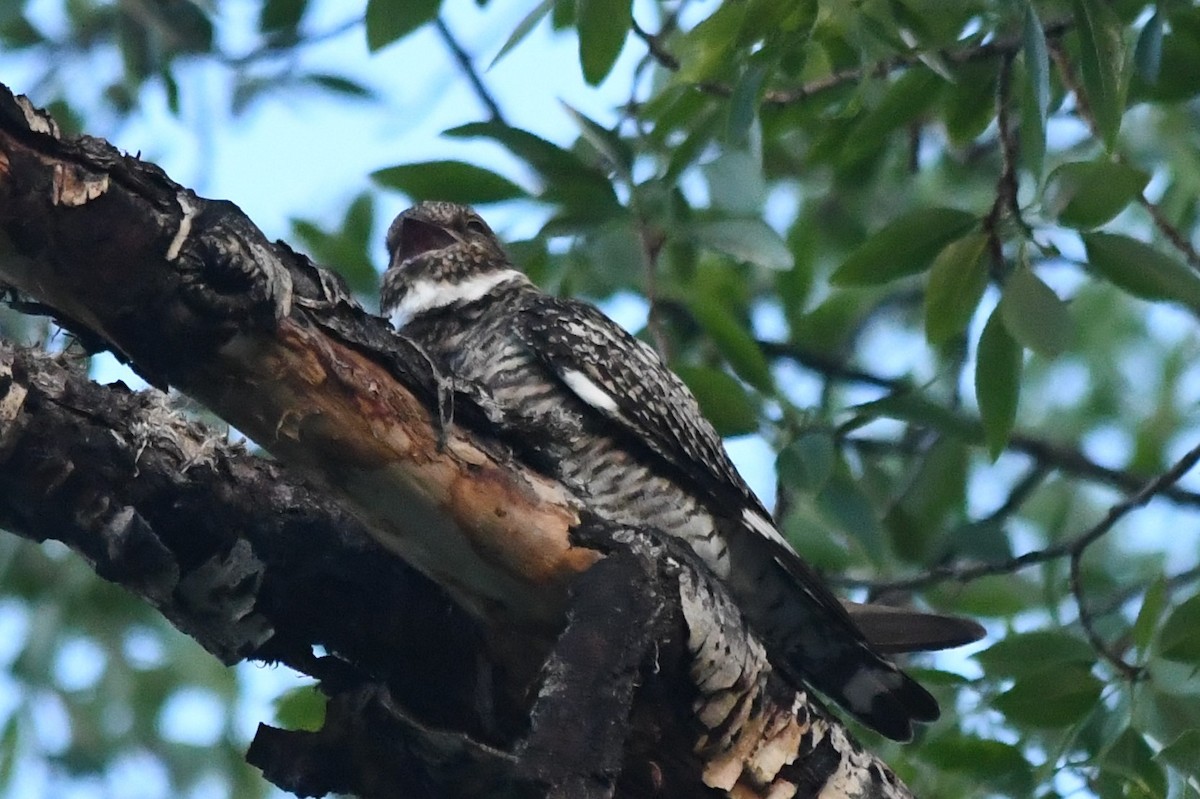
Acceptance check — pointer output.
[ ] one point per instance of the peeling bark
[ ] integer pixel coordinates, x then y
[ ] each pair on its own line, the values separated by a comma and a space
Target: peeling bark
652, 685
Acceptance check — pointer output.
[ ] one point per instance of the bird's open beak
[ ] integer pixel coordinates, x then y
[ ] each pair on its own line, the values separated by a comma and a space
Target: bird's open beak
418, 236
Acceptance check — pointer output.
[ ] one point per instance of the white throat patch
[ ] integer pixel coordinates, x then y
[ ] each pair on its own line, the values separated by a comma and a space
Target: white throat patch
428, 294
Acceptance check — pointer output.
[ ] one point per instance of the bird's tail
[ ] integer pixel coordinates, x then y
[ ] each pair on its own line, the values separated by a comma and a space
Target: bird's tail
811, 638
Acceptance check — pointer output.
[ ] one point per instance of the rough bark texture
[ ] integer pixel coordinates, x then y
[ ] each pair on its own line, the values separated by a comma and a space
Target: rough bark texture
485, 666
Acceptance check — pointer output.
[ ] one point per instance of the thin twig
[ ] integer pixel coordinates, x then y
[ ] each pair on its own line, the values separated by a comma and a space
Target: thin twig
1074, 462
834, 368
1171, 233
1006, 184
1063, 458
275, 50
650, 244
1019, 493
963, 573
1087, 622
468, 68
655, 46
1172, 583
780, 97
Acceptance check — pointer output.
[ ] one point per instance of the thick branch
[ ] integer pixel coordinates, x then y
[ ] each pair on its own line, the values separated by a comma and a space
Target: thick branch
224, 542
233, 550
191, 293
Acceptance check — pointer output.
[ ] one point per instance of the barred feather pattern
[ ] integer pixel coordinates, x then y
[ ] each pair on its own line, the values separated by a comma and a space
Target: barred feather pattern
588, 404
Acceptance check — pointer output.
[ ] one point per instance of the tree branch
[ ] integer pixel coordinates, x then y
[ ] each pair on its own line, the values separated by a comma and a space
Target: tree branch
1047, 453
463, 59
1171, 233
190, 292
1071, 547
781, 97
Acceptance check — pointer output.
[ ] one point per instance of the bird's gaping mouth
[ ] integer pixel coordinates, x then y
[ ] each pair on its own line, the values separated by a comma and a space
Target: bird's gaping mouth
418, 237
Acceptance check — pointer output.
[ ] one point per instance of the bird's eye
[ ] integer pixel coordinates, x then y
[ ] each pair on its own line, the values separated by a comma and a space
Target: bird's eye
477, 225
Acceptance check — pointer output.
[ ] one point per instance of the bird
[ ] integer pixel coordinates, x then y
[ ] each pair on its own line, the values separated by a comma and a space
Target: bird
596, 408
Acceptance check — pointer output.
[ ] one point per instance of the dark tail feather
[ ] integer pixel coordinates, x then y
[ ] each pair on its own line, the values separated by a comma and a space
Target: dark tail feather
871, 689
814, 640
892, 630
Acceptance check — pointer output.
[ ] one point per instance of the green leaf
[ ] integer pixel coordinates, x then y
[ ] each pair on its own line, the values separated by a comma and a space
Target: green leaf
903, 247
1034, 314
449, 180
1178, 76
1183, 753
968, 106
1102, 63
339, 85
1147, 54
563, 15
956, 283
1180, 636
733, 340
808, 531
935, 491
1018, 654
705, 50
607, 143
603, 26
581, 189
182, 27
10, 740
1037, 91
1149, 615
807, 463
906, 99
743, 104
996, 597
735, 183
1086, 194
301, 708
983, 539
1130, 762
17, 33
527, 24
390, 20
1141, 270
1000, 766
346, 250
750, 240
726, 403
1052, 697
844, 504
544, 156
909, 406
614, 259
998, 364
281, 15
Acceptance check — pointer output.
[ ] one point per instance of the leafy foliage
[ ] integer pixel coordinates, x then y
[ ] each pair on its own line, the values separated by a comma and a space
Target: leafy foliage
939, 255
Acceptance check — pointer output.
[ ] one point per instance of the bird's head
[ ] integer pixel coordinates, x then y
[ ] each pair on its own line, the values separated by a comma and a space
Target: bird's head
441, 255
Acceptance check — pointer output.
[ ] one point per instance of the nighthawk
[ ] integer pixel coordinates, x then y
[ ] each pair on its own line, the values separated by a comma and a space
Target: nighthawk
596, 408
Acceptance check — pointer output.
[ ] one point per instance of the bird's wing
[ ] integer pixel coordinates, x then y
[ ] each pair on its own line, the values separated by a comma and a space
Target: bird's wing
626, 383
580, 346
650, 405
